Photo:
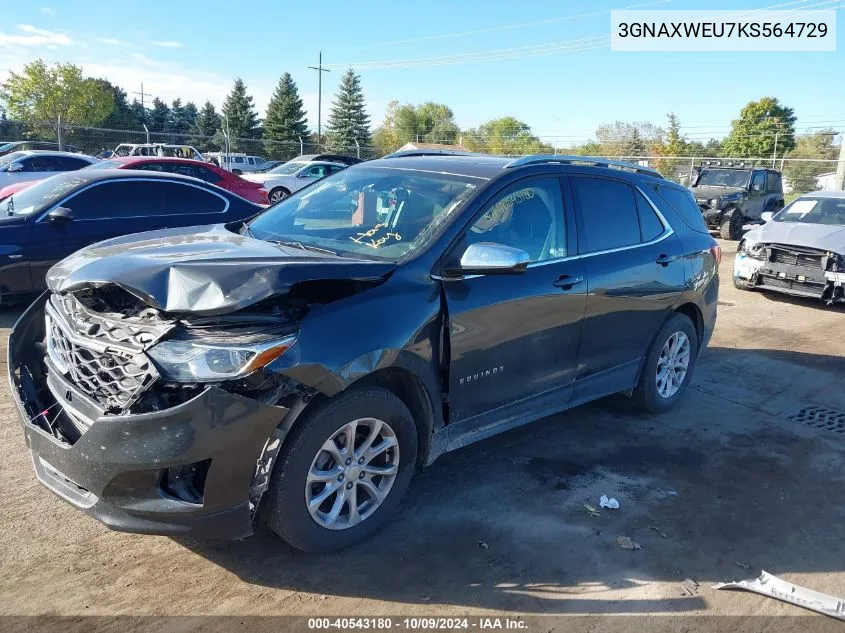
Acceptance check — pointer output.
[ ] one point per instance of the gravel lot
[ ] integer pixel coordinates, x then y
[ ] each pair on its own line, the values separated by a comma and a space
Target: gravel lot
726, 478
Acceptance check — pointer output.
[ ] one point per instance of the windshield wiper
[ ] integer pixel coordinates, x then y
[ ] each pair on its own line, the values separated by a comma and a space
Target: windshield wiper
304, 247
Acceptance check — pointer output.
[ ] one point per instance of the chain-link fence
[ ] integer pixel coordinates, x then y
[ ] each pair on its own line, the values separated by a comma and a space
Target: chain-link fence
801, 172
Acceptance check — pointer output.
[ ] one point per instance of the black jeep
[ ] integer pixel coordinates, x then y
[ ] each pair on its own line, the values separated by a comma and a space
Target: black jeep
730, 196
298, 367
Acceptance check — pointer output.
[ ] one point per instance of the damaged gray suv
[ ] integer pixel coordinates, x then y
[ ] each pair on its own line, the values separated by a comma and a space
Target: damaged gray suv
298, 367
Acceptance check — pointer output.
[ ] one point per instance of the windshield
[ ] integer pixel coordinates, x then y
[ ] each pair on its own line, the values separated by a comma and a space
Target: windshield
723, 177
35, 198
106, 164
829, 211
287, 168
8, 159
369, 212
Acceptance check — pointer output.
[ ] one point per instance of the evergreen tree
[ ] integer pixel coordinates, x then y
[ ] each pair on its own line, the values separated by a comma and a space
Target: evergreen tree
286, 121
206, 125
348, 119
159, 119
190, 115
239, 113
139, 112
177, 123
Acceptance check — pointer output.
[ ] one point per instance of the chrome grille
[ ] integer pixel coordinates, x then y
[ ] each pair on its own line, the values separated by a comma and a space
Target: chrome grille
103, 357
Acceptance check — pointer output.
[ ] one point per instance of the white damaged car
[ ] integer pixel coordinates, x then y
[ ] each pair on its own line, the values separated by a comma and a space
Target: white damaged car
799, 251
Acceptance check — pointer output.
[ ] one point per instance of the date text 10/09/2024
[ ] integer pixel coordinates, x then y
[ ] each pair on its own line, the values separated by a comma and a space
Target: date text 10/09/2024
417, 623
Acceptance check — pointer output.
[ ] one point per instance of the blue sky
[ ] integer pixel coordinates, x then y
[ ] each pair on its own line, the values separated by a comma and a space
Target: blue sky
194, 49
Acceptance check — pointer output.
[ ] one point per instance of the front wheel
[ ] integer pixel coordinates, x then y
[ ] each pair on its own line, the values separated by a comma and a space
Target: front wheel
278, 194
731, 227
343, 470
668, 367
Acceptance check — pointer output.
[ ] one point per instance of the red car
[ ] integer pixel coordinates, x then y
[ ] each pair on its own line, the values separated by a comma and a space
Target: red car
252, 191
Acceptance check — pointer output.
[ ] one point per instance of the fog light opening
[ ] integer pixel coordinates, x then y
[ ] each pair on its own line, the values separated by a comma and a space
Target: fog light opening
186, 483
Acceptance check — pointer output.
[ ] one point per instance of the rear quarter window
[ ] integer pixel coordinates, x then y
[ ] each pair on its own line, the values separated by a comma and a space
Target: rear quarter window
682, 202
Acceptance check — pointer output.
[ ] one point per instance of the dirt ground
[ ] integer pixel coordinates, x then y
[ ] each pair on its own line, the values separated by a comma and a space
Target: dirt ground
724, 481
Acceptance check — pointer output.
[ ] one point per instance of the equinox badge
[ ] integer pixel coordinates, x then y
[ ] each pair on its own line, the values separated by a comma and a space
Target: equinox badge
483, 374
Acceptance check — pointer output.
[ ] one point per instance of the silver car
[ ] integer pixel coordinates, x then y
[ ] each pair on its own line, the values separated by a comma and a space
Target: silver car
39, 164
799, 251
292, 176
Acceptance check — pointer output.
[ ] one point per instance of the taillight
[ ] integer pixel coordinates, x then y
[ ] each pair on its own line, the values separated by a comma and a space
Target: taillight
716, 252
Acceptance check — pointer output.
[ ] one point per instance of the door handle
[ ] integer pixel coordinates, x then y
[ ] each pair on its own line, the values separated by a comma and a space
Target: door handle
665, 260
565, 282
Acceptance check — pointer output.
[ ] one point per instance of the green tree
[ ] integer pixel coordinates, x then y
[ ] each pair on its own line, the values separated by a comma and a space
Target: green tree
801, 175
673, 144
348, 119
121, 117
753, 133
385, 139
206, 125
428, 122
239, 115
41, 96
190, 115
159, 119
506, 135
176, 123
140, 113
627, 139
286, 121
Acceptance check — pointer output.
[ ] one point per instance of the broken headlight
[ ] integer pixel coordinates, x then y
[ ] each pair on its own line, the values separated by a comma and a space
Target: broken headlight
752, 249
189, 360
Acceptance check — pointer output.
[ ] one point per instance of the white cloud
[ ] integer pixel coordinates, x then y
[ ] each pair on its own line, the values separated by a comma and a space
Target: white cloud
109, 40
48, 11
32, 36
167, 43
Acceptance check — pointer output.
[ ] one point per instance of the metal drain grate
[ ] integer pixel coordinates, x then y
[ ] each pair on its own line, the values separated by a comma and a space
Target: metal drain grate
820, 418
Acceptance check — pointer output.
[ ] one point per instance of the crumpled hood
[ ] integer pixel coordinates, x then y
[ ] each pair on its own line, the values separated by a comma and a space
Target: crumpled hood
204, 270
824, 236
714, 192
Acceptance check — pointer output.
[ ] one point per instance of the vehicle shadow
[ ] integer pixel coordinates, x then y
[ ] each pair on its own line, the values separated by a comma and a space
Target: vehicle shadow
720, 481
804, 302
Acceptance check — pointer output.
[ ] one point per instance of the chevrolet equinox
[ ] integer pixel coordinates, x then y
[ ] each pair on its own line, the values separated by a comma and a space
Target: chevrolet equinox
297, 368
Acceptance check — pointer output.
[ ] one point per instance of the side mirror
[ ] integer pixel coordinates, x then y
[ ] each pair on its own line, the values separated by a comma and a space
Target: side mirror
304, 174
756, 187
60, 214
767, 216
15, 167
489, 258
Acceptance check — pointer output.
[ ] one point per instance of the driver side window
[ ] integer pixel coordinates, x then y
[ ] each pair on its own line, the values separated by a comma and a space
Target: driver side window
758, 181
527, 215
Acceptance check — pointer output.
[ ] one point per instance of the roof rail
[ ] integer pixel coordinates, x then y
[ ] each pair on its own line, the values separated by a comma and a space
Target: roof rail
583, 160
428, 152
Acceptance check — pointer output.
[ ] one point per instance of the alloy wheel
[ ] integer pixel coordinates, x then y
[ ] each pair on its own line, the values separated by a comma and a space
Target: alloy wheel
352, 474
672, 364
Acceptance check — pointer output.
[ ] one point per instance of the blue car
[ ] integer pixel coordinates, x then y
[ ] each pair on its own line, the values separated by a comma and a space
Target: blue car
56, 217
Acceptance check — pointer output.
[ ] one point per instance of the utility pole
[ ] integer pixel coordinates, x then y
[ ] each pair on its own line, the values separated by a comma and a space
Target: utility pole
142, 93
320, 70
775, 153
143, 110
839, 180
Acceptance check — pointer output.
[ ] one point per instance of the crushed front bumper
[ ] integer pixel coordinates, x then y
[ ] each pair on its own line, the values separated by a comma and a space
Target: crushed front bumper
796, 280
118, 470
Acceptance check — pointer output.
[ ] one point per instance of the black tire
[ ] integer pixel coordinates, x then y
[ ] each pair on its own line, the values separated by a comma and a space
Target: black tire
742, 284
731, 227
281, 192
283, 507
645, 394
237, 172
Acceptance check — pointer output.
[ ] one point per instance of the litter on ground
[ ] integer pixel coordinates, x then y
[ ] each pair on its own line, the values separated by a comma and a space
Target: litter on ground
625, 542
611, 503
774, 587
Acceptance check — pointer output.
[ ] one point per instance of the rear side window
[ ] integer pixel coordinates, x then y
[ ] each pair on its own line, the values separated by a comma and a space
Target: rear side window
650, 225
609, 217
682, 202
181, 199
68, 163
774, 182
114, 200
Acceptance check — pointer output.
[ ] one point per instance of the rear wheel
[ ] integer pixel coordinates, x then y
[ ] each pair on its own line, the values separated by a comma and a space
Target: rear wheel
343, 470
668, 367
278, 194
731, 227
